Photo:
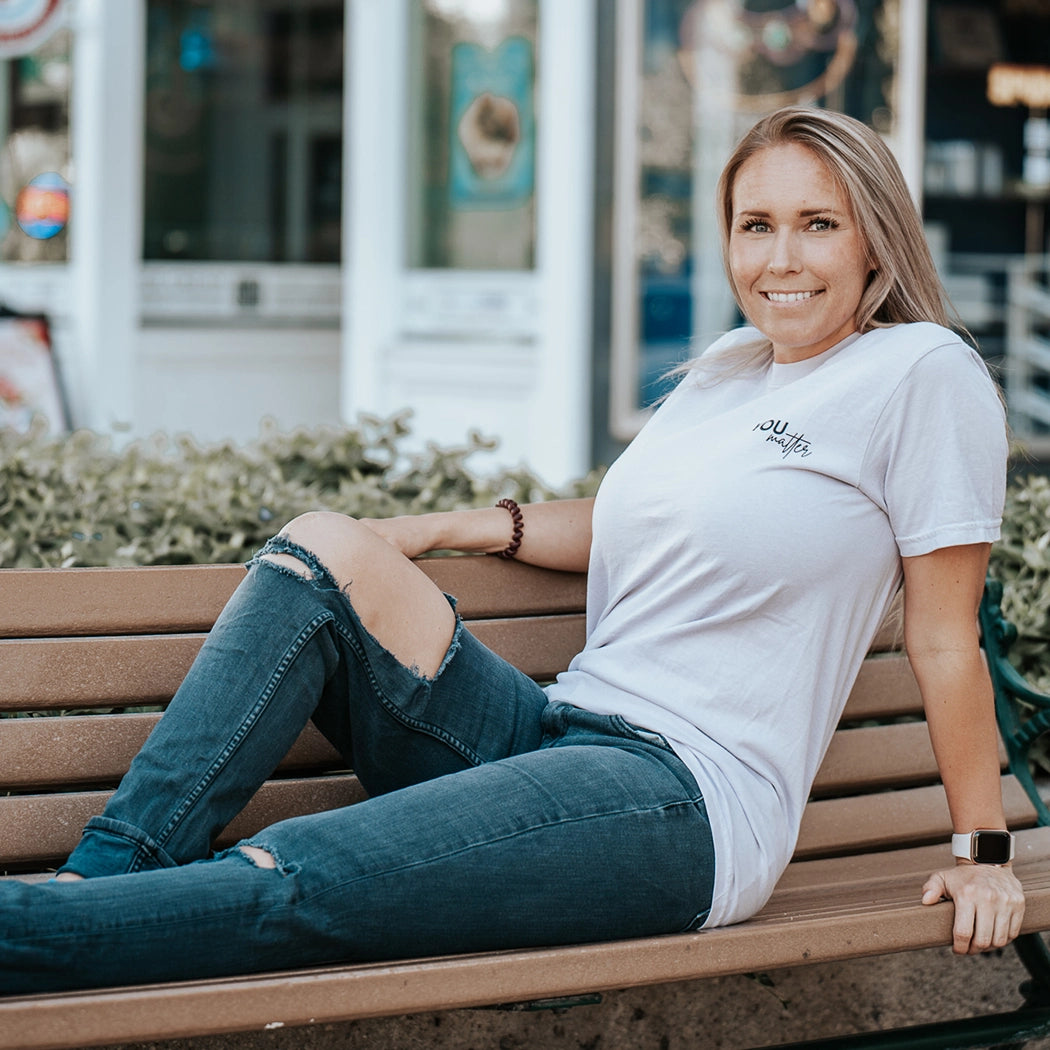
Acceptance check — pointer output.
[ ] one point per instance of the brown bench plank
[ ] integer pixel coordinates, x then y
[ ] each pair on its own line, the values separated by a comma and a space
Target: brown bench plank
79, 750
56, 673
179, 599
891, 634
878, 757
92, 749
836, 923
121, 671
885, 688
885, 820
43, 829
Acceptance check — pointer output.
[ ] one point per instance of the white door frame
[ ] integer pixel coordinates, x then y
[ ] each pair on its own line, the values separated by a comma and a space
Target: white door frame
483, 336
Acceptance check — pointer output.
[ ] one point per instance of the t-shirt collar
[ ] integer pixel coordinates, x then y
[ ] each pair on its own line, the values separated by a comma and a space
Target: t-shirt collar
780, 374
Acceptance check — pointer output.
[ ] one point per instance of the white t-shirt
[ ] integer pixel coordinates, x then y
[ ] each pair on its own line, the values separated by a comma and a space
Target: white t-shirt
746, 548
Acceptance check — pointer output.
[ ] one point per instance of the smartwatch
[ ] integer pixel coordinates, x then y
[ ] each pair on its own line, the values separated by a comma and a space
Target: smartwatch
984, 846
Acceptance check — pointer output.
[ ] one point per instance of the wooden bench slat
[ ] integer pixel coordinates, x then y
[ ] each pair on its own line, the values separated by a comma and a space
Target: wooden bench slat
51, 602
78, 750
88, 749
885, 820
885, 688
43, 829
836, 924
890, 635
123, 671
58, 673
882, 756
184, 598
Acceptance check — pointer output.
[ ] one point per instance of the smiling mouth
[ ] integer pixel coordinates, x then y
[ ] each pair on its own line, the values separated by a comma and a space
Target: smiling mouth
788, 297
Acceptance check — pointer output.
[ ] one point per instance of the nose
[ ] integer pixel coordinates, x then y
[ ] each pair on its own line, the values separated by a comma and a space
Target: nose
783, 256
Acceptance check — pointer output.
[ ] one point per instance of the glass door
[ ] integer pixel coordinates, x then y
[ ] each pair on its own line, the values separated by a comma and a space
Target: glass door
691, 77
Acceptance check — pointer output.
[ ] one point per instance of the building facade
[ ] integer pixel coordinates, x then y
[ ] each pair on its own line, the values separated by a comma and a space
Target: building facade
497, 213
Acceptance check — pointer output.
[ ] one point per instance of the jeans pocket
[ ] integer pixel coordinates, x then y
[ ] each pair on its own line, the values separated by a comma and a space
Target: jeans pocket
647, 736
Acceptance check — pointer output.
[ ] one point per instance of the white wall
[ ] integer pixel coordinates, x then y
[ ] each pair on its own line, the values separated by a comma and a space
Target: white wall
219, 383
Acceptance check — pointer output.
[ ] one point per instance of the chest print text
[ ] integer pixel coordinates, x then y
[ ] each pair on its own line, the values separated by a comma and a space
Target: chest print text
776, 430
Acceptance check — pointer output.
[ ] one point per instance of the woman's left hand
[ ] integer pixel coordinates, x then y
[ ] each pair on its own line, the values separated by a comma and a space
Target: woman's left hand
989, 905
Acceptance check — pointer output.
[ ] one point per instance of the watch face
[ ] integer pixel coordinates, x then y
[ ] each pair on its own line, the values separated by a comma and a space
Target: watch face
991, 847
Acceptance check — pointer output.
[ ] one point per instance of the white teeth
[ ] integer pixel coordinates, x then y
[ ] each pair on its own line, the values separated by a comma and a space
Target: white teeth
788, 297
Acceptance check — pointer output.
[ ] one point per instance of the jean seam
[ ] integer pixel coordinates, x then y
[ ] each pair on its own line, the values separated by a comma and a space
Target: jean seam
235, 741
323, 579
494, 840
392, 709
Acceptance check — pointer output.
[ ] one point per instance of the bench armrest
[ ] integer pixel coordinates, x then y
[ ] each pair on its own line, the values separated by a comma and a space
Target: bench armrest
1022, 712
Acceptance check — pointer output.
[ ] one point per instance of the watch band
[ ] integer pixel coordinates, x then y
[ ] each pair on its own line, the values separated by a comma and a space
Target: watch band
984, 846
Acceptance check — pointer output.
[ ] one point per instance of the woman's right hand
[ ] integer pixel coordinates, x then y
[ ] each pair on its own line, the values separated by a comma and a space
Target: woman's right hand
557, 533
411, 534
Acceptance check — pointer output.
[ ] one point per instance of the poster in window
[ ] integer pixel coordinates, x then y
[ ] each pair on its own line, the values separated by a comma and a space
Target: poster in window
491, 159
29, 379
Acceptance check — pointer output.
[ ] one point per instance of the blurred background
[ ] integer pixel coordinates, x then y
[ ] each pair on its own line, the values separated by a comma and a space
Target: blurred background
496, 212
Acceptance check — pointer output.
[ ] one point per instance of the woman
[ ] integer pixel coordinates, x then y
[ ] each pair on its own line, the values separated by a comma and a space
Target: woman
770, 509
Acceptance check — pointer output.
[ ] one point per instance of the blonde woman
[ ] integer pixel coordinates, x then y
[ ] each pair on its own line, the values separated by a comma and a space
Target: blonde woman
741, 555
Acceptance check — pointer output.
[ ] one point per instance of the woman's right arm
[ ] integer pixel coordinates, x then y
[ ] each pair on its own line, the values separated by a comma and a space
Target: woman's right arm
557, 534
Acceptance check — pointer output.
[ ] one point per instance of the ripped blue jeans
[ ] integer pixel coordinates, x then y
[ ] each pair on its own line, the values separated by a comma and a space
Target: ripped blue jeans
495, 819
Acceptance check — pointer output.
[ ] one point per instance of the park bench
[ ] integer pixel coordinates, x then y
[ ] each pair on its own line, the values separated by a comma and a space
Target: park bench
106, 641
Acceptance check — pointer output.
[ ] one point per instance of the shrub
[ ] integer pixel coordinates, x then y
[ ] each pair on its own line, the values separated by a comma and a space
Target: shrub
76, 500
1021, 560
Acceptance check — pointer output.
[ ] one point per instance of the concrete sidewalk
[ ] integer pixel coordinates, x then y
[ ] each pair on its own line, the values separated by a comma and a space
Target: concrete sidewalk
729, 1013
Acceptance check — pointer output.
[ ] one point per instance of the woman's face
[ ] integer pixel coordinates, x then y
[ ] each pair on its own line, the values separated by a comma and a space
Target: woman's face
799, 262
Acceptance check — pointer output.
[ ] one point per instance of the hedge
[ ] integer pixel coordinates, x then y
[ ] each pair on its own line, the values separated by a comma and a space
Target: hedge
78, 500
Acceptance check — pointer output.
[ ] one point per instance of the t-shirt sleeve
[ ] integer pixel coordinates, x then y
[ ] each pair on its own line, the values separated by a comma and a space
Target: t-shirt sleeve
939, 454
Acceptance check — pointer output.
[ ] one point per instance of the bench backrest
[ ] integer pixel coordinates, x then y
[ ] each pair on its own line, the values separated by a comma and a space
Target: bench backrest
106, 643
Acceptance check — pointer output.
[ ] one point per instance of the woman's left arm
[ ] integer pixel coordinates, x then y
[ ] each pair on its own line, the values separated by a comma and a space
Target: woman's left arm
942, 591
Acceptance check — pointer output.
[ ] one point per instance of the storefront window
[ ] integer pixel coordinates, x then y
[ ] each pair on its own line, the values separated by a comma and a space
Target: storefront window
34, 152
472, 150
987, 188
692, 76
243, 130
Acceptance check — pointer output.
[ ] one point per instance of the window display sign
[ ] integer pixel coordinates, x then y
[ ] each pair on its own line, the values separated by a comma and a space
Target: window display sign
472, 135
35, 160
492, 151
42, 206
26, 24
692, 76
29, 383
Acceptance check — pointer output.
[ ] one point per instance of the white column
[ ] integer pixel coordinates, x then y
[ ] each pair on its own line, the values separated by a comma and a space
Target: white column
375, 81
565, 237
911, 94
106, 213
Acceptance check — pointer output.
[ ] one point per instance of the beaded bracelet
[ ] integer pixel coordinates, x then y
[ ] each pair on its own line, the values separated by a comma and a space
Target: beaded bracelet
519, 528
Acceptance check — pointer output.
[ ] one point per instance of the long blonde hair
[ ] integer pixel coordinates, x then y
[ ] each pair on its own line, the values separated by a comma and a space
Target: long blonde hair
904, 285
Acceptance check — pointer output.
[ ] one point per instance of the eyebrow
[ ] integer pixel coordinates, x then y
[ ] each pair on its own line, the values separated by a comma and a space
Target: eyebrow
805, 213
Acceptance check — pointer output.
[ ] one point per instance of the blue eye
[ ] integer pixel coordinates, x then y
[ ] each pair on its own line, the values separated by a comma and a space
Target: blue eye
823, 224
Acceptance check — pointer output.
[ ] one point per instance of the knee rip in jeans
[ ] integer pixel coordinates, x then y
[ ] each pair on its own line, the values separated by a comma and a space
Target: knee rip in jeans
264, 858
287, 556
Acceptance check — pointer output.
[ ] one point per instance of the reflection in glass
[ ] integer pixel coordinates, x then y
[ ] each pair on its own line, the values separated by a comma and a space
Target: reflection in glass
693, 76
471, 172
244, 130
34, 153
